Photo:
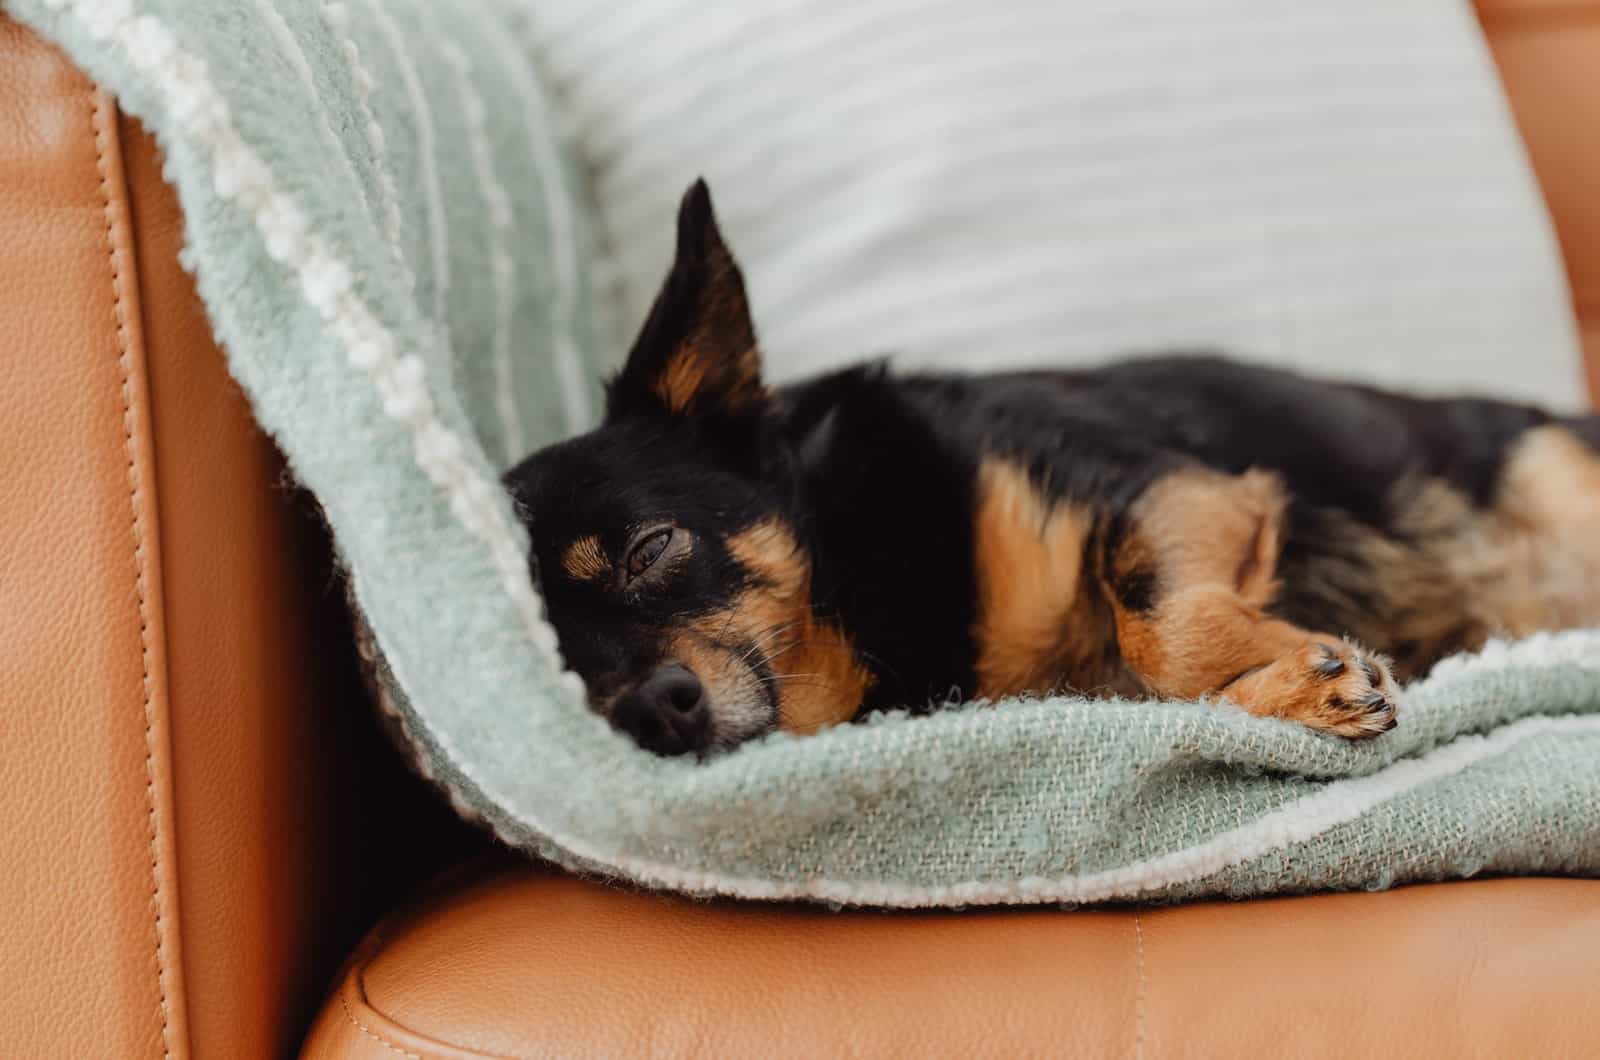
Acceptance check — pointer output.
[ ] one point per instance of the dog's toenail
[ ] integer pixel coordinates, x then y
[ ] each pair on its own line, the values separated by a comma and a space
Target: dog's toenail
1371, 670
1328, 666
1375, 701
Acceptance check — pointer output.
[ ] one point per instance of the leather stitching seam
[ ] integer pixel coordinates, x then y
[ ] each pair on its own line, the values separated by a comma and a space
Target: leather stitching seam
358, 975
1139, 997
344, 1003
100, 121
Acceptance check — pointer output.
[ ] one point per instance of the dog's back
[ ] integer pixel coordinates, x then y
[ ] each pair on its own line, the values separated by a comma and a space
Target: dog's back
1415, 526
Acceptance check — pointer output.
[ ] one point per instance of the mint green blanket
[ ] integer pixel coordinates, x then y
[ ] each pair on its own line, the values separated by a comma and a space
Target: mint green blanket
393, 245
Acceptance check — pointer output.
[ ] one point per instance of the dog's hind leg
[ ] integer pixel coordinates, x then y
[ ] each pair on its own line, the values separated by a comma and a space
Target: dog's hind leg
1189, 578
1548, 504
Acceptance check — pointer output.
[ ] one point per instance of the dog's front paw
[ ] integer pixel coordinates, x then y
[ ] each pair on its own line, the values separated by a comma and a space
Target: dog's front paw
1332, 686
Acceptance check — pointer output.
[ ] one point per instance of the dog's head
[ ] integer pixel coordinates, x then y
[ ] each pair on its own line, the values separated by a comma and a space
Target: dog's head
665, 542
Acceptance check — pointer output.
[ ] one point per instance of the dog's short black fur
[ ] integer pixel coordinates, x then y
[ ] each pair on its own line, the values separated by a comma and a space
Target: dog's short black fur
721, 559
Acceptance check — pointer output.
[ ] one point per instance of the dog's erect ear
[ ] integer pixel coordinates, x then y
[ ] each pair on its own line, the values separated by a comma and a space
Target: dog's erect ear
696, 354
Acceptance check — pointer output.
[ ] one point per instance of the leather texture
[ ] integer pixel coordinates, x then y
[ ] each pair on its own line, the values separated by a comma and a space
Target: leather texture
90, 944
1548, 52
527, 963
166, 723
256, 777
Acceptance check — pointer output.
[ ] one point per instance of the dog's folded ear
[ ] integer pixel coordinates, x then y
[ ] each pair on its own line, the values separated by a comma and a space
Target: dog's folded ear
696, 354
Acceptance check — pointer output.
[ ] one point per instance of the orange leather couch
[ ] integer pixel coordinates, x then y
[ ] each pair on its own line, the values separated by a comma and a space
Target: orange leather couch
201, 820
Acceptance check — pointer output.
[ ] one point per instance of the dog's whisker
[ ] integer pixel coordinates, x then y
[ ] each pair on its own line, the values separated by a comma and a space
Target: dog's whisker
777, 677
731, 616
765, 639
785, 650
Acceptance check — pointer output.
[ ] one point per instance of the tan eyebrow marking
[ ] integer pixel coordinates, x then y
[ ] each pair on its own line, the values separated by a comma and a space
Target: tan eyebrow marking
585, 560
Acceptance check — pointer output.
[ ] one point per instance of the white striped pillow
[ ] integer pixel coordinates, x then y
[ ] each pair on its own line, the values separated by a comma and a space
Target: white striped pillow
968, 183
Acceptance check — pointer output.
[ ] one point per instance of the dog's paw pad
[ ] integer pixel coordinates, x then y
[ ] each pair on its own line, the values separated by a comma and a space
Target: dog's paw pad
1351, 692
1330, 686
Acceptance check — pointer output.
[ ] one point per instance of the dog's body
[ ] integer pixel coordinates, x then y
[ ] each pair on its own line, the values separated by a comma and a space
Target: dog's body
721, 560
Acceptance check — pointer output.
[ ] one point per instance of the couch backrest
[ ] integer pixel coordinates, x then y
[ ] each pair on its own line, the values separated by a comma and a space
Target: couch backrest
1549, 57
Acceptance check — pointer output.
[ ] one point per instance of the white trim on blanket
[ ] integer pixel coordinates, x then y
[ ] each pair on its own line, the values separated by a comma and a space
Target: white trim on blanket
290, 49
427, 150
546, 157
200, 113
336, 13
502, 266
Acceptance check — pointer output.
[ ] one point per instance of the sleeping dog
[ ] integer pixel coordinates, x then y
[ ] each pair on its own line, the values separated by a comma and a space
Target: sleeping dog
721, 559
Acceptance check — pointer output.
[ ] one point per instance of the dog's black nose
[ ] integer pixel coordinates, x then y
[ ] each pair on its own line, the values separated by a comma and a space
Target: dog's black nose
667, 713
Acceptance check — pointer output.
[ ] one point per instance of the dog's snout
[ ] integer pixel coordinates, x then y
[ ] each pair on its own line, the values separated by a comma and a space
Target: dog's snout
667, 713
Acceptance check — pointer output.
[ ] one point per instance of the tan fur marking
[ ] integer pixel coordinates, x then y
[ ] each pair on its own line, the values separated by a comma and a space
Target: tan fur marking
1199, 638
1212, 543
689, 371
1037, 628
820, 680
1549, 509
1209, 527
1207, 640
681, 379
585, 560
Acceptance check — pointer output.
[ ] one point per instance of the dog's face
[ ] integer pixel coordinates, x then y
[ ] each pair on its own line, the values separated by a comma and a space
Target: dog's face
663, 541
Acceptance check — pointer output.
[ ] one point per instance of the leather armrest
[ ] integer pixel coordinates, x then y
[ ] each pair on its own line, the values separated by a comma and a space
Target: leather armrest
522, 962
175, 797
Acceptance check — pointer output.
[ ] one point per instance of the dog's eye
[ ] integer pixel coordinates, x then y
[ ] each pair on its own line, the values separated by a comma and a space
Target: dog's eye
646, 551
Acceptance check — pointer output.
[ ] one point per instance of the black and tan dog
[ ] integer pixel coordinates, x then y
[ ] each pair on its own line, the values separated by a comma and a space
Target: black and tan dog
721, 559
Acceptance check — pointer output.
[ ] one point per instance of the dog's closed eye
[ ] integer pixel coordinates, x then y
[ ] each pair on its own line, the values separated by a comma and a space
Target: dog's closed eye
652, 555
646, 549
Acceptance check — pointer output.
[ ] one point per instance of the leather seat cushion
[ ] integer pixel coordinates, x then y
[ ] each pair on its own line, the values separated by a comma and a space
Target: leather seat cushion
522, 962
